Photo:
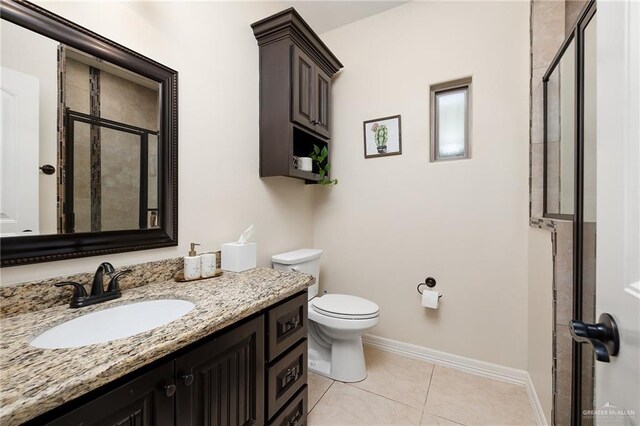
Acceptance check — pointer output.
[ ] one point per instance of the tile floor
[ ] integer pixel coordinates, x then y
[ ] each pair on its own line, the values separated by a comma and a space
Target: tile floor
404, 391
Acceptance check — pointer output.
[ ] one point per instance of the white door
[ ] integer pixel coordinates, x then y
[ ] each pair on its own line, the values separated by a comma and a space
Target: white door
19, 140
617, 383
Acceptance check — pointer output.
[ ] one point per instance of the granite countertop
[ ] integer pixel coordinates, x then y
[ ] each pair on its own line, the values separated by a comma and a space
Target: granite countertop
34, 381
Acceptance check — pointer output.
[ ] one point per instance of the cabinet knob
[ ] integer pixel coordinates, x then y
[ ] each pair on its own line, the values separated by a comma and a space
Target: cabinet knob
169, 390
187, 379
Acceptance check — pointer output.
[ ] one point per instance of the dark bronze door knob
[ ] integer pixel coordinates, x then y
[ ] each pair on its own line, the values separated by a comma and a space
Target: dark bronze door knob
603, 336
48, 169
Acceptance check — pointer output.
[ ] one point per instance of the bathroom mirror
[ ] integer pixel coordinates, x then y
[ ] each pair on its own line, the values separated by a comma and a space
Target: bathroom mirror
89, 142
559, 128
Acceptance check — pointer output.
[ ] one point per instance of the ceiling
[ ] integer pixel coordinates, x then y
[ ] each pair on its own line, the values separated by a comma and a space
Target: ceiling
325, 16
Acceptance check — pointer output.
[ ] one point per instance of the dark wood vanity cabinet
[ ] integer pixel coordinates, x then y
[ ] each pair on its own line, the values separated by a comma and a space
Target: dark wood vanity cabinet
296, 68
220, 383
147, 400
286, 367
253, 373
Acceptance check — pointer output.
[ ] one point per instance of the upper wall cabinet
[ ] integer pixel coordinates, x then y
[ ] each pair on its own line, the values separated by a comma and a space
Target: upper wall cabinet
311, 91
296, 68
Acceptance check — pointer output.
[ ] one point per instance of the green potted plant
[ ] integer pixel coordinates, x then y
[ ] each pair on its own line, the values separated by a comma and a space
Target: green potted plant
380, 136
319, 156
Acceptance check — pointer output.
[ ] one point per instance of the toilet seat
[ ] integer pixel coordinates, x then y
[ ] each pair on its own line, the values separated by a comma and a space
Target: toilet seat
345, 306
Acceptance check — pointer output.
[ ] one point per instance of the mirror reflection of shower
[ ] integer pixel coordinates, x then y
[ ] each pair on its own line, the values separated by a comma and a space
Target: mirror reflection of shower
111, 146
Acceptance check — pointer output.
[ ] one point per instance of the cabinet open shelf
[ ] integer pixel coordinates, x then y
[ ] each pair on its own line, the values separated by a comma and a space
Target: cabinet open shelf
309, 177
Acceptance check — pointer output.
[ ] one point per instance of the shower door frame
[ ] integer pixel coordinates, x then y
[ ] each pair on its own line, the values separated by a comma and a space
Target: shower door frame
143, 208
577, 35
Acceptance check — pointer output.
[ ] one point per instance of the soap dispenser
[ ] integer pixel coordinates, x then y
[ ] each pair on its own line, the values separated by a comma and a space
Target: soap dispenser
192, 264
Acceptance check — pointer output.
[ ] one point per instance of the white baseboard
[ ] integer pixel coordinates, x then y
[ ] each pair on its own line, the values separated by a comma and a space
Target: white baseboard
535, 402
468, 365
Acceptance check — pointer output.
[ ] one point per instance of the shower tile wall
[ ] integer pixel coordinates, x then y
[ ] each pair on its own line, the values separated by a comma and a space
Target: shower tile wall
563, 312
77, 98
550, 23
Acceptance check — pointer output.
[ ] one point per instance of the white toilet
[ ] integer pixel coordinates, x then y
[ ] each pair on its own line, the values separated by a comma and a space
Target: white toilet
336, 322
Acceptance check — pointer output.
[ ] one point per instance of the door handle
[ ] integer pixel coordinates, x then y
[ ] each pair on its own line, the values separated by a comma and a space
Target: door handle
603, 336
48, 169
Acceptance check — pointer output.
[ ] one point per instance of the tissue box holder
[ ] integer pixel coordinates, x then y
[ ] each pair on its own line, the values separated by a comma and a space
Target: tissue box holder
238, 257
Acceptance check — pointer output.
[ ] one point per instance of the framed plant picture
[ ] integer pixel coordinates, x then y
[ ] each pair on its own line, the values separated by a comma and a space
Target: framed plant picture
382, 137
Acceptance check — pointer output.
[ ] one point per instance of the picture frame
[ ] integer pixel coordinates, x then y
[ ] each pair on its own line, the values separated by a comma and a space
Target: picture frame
383, 137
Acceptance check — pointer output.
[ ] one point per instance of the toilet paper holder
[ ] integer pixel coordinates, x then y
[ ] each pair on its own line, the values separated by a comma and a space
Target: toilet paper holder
429, 282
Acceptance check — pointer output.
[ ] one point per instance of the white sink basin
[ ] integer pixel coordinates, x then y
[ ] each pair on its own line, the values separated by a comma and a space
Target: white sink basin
112, 324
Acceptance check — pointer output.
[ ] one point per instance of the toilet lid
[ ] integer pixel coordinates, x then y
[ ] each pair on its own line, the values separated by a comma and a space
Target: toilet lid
345, 306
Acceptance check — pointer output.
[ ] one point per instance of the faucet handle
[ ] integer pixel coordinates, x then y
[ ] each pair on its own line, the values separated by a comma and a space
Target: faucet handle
114, 285
107, 268
78, 289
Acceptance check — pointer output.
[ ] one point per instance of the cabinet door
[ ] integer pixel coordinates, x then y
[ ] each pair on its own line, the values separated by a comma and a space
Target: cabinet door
145, 401
302, 102
222, 382
322, 102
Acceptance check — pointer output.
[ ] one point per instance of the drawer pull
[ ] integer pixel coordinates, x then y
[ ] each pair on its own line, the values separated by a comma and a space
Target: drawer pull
290, 324
292, 375
294, 419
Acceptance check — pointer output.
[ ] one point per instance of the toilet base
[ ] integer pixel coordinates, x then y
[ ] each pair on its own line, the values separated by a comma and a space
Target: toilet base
342, 361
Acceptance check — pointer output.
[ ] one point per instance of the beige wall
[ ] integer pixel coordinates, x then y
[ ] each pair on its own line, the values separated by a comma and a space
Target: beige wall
393, 221
540, 337
213, 48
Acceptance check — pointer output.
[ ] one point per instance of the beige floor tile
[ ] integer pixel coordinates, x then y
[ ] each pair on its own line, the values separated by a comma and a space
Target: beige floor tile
402, 379
475, 400
344, 405
431, 420
318, 385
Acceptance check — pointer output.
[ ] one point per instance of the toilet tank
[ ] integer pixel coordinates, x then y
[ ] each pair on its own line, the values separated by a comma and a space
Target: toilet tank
303, 260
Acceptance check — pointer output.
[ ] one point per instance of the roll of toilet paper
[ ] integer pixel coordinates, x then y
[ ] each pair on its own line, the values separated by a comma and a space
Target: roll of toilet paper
430, 299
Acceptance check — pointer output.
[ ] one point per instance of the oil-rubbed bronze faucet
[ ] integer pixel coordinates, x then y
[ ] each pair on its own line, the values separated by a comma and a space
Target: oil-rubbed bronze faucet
98, 294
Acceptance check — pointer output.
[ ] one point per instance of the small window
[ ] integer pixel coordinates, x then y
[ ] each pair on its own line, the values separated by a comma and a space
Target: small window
450, 120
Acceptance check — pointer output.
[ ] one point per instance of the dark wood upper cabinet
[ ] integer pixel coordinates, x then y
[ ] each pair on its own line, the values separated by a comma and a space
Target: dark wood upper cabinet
296, 68
303, 96
322, 102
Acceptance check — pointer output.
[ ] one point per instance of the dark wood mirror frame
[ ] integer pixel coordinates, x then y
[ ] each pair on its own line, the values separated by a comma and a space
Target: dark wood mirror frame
44, 248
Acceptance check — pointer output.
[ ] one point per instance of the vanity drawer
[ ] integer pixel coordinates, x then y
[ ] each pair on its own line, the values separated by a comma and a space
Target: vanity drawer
287, 323
295, 413
286, 377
